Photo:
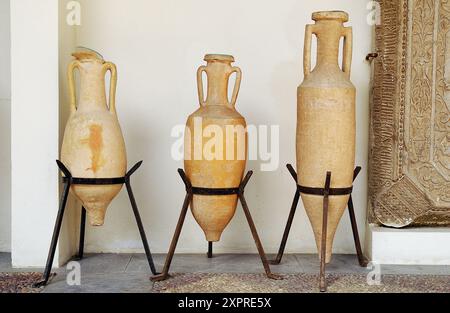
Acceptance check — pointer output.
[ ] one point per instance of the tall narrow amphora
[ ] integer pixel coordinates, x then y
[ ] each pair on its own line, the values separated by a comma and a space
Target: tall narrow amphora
93, 145
326, 121
215, 145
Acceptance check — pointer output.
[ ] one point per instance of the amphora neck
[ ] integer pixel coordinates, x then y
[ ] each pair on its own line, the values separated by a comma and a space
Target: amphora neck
218, 71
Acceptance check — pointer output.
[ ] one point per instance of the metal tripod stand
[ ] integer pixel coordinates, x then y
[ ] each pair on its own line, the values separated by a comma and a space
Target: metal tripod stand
68, 181
190, 191
325, 192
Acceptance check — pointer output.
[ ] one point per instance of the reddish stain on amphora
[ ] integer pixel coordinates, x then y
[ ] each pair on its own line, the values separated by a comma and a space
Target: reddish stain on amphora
95, 143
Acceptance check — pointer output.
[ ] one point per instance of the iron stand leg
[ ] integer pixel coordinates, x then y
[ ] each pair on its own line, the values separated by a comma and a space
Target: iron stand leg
361, 258
210, 249
289, 221
54, 242
82, 232
248, 215
323, 252
139, 224
187, 200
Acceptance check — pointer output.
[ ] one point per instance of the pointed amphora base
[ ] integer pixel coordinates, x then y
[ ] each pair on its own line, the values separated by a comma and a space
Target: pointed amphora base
213, 213
96, 200
96, 212
314, 209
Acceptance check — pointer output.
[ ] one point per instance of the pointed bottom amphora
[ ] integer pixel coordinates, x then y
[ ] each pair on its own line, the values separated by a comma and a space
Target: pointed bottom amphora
314, 209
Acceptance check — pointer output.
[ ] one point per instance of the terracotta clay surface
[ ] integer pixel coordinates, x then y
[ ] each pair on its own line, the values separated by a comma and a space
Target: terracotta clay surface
214, 157
326, 121
93, 145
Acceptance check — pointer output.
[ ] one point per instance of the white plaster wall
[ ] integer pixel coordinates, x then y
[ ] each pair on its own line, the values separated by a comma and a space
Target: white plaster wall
5, 128
41, 41
158, 46
34, 128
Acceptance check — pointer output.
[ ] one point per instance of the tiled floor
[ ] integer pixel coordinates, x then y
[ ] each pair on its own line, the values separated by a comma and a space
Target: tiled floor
130, 272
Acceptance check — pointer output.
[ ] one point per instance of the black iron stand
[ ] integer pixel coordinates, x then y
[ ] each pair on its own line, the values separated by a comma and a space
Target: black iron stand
190, 191
68, 180
210, 249
325, 192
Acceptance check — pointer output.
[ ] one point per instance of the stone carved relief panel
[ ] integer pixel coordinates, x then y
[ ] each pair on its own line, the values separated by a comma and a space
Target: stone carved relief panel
410, 115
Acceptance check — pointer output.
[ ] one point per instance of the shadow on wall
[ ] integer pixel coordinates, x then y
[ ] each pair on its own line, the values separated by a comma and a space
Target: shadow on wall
5, 128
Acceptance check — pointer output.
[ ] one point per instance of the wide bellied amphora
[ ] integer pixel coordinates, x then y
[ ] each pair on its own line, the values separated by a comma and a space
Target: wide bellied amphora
93, 145
326, 121
215, 145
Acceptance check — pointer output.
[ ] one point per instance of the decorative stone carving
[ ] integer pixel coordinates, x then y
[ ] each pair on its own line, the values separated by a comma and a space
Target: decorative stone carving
409, 180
